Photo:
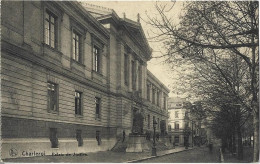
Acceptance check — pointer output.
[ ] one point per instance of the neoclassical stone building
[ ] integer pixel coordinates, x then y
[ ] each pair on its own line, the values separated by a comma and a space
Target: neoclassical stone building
73, 78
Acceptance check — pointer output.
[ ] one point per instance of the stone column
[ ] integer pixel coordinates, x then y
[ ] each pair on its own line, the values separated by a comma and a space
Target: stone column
156, 90
161, 100
130, 72
120, 65
136, 74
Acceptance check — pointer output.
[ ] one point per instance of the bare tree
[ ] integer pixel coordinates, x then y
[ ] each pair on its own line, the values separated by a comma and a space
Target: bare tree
209, 33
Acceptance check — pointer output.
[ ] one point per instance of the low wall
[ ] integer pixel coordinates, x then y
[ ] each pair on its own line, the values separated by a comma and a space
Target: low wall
29, 147
27, 137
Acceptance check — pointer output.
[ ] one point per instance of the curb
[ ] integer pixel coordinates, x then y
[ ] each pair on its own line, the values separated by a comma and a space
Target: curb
151, 157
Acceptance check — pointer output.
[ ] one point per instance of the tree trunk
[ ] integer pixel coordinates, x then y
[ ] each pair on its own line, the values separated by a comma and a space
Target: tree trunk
256, 138
239, 145
254, 89
233, 143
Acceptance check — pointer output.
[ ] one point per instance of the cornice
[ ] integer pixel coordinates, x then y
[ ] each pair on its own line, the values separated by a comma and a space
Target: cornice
75, 9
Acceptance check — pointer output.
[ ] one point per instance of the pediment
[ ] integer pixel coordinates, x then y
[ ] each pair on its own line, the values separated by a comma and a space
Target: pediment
136, 32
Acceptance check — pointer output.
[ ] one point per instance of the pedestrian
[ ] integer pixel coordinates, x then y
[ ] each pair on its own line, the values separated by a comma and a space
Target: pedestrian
157, 136
210, 147
123, 135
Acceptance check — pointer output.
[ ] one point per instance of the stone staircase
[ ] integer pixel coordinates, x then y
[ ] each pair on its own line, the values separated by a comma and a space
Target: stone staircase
121, 146
160, 146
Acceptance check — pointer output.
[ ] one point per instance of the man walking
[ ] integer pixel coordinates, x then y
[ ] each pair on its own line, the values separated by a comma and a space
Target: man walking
123, 136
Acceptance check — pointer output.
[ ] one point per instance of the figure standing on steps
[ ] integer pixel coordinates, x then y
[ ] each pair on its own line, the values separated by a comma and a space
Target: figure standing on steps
123, 135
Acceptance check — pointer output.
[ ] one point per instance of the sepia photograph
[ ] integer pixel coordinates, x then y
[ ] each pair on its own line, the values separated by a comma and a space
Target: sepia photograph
129, 81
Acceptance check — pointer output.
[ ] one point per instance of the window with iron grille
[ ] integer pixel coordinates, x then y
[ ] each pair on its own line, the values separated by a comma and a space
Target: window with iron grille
78, 103
52, 96
54, 138
98, 106
98, 137
79, 137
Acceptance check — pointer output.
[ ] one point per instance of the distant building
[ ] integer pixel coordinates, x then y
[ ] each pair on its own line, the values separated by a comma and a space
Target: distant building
184, 121
176, 121
72, 82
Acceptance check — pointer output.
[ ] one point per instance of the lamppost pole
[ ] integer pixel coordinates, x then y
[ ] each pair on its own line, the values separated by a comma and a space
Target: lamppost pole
154, 148
192, 142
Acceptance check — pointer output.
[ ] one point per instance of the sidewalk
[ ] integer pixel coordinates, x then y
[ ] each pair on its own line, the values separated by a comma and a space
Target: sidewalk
99, 157
247, 154
161, 153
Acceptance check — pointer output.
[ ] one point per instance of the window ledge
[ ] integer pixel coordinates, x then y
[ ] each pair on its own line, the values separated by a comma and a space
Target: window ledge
80, 64
78, 116
51, 48
98, 119
97, 73
53, 112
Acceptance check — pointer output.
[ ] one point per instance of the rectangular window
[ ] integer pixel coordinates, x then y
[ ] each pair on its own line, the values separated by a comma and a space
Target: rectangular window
98, 104
176, 114
148, 124
78, 103
176, 139
148, 92
98, 137
126, 69
169, 127
186, 114
79, 137
153, 100
133, 75
186, 125
176, 125
50, 29
96, 59
158, 123
76, 55
52, 97
54, 138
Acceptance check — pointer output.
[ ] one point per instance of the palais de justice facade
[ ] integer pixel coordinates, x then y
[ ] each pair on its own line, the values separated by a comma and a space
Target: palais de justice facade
73, 77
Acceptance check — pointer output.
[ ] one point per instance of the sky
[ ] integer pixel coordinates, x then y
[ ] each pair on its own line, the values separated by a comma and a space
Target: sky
144, 8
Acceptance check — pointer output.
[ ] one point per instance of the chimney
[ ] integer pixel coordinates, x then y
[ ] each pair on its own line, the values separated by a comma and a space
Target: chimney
124, 15
138, 18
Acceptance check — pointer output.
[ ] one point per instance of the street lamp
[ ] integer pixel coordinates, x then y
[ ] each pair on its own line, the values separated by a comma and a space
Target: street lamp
154, 148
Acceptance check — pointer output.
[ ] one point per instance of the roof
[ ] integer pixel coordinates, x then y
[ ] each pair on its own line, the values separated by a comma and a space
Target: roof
176, 100
155, 79
106, 15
